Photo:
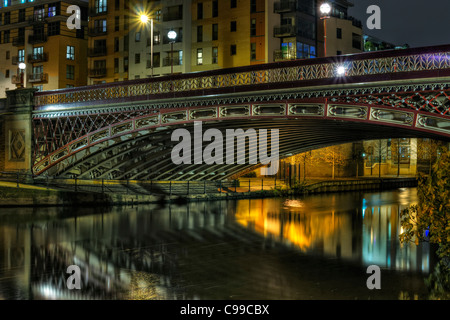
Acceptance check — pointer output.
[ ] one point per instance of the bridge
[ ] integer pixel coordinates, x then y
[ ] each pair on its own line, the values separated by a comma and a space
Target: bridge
123, 130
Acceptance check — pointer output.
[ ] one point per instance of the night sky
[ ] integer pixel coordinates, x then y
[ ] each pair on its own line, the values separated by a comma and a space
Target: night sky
415, 22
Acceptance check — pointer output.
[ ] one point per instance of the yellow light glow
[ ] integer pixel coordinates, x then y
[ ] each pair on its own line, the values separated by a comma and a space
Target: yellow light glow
144, 18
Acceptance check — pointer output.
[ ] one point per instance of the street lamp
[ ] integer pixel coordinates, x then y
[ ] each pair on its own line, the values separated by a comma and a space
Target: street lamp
144, 19
325, 9
172, 35
22, 67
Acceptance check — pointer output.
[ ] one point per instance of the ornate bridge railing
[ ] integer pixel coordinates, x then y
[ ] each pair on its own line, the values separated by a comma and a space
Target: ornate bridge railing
410, 63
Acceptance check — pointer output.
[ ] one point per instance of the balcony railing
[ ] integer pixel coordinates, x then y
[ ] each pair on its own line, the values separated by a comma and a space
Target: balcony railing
97, 72
95, 32
38, 77
18, 41
16, 60
281, 55
16, 79
284, 6
98, 11
34, 39
37, 19
284, 31
98, 52
167, 61
38, 57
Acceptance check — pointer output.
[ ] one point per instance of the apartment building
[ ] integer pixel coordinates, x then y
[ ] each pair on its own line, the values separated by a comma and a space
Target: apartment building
215, 34
344, 34
168, 55
36, 33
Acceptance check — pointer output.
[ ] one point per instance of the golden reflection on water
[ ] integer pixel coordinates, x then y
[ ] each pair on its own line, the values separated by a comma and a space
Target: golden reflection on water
365, 230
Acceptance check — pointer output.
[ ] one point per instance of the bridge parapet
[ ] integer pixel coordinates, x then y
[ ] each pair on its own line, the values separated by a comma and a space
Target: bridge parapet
428, 62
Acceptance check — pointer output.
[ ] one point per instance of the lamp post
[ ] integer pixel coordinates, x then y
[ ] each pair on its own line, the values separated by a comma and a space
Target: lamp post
22, 67
325, 9
172, 35
144, 19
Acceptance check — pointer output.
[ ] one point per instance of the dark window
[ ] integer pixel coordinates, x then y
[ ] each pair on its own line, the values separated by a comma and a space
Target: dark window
21, 15
116, 44
253, 51
253, 6
215, 31
116, 65
70, 72
233, 49
215, 55
53, 28
156, 60
7, 17
339, 33
137, 58
6, 36
80, 33
200, 10
215, 8
126, 22
253, 27
233, 26
116, 23
233, 3
339, 52
117, 4
199, 33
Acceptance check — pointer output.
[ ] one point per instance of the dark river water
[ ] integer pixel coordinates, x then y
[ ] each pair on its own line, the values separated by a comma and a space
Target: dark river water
319, 248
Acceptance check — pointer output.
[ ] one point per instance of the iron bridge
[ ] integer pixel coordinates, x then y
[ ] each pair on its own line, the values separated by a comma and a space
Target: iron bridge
123, 130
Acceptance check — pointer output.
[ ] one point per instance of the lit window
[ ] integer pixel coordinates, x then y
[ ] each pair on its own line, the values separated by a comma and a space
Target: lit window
199, 56
70, 55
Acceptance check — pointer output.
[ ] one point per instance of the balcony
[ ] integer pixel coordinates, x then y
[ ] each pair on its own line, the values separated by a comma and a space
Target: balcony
16, 60
93, 12
284, 31
98, 52
97, 72
16, 79
38, 77
167, 61
37, 38
284, 6
282, 55
38, 57
37, 19
96, 32
18, 41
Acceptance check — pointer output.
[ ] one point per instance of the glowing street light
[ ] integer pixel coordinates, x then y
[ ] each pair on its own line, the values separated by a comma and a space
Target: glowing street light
22, 67
172, 35
341, 71
144, 19
325, 9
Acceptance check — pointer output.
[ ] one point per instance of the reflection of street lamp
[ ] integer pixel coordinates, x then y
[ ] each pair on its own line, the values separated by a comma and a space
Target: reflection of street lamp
22, 67
325, 9
172, 35
144, 19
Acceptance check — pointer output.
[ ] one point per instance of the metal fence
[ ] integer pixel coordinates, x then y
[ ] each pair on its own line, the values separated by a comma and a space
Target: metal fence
20, 180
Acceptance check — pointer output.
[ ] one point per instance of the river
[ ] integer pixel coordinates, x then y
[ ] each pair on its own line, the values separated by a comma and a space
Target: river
312, 247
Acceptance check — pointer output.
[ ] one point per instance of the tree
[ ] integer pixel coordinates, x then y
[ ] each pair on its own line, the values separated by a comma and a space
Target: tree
427, 149
334, 156
429, 219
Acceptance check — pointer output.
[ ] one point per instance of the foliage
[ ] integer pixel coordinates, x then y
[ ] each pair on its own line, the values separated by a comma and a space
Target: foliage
334, 156
428, 150
429, 219
438, 282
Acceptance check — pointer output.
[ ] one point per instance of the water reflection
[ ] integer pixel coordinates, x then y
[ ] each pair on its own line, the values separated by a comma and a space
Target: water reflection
246, 249
356, 228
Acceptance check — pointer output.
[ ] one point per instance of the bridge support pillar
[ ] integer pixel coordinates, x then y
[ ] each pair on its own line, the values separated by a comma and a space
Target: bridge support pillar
16, 131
